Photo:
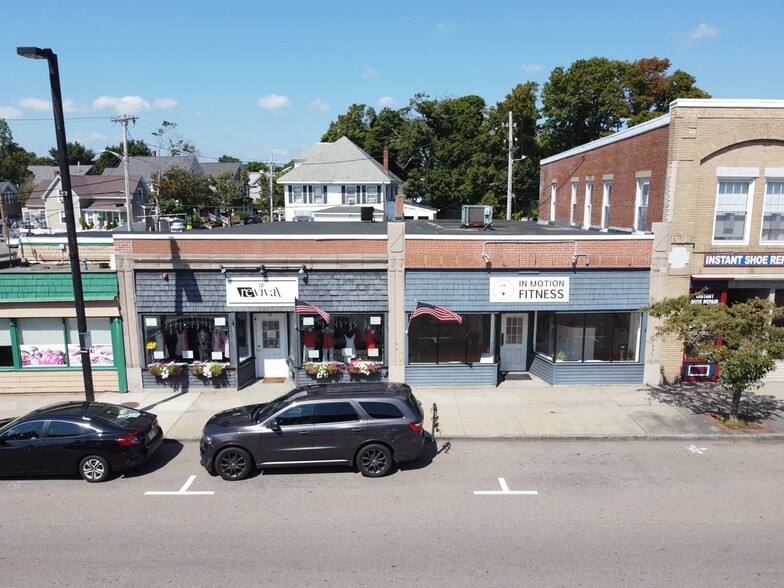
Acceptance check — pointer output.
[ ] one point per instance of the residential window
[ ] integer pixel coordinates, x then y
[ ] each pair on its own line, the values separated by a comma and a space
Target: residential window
433, 341
185, 338
319, 194
587, 211
573, 206
297, 197
588, 337
772, 226
553, 190
373, 195
606, 202
731, 209
641, 217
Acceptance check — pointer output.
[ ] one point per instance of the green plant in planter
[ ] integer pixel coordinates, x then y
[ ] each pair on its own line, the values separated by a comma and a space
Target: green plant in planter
561, 356
324, 369
163, 370
208, 369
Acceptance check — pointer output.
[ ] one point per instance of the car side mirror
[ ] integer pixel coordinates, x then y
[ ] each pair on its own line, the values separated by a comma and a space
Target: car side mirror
273, 424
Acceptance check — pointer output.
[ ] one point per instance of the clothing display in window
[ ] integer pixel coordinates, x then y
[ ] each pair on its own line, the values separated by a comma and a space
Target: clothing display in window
220, 341
203, 341
308, 344
327, 343
182, 342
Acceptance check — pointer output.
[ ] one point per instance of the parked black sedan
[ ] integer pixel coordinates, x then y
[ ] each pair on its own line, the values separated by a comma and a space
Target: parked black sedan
91, 438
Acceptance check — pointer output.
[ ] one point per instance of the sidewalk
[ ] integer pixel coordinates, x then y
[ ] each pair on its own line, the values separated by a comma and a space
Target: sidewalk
531, 410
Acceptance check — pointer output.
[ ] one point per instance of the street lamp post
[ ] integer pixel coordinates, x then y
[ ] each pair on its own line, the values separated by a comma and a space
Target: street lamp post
70, 222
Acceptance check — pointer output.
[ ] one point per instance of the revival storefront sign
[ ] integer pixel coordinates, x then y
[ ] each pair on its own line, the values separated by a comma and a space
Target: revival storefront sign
261, 292
747, 260
529, 289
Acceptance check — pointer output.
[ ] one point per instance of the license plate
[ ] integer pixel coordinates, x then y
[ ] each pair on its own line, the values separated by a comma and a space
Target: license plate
153, 433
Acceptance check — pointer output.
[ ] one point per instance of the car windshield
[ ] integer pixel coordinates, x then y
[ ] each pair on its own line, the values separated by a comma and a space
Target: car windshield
272, 407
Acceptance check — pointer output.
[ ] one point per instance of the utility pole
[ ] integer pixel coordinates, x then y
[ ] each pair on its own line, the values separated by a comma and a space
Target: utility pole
128, 207
270, 173
509, 170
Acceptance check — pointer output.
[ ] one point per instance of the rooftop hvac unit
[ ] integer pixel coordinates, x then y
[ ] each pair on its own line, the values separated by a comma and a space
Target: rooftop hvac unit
366, 214
477, 216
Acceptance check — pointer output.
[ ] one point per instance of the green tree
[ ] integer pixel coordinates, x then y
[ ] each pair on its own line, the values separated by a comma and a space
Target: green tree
180, 191
13, 159
136, 148
228, 192
170, 140
583, 103
750, 334
355, 125
76, 153
228, 159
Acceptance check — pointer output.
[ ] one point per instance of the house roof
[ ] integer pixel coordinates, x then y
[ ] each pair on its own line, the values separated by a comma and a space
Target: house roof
48, 172
340, 162
85, 187
146, 166
215, 169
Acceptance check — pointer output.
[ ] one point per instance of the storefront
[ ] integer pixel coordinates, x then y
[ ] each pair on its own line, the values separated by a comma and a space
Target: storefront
265, 322
563, 326
39, 339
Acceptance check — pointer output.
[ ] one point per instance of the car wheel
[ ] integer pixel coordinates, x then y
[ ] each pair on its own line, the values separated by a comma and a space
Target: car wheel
233, 463
94, 468
374, 461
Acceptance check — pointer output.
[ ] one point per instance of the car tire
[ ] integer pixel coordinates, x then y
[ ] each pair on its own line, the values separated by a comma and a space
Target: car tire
233, 464
374, 461
94, 469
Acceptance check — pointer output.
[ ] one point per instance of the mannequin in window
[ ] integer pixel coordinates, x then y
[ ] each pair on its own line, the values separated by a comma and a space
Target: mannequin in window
182, 342
370, 339
308, 343
351, 334
220, 342
327, 343
203, 338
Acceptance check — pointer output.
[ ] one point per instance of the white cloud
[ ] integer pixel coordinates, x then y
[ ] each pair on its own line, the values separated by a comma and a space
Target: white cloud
370, 73
71, 107
124, 105
320, 105
35, 104
274, 102
703, 31
387, 101
99, 138
531, 67
165, 103
10, 112
445, 28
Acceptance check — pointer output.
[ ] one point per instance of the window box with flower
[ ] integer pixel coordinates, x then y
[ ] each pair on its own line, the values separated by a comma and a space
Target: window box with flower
165, 370
208, 369
359, 368
324, 369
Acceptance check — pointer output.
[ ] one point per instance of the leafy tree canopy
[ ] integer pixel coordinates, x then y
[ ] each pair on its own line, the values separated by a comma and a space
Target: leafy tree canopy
13, 159
180, 191
750, 334
228, 159
76, 154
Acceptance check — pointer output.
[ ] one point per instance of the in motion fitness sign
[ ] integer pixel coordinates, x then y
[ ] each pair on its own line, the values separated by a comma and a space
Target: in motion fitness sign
529, 289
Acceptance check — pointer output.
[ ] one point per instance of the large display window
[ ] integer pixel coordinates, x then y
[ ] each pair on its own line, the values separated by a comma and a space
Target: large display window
345, 338
185, 338
434, 341
6, 346
586, 337
54, 342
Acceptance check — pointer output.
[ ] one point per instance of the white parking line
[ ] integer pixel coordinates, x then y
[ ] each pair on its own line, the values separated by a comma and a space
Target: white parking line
505, 490
181, 492
695, 449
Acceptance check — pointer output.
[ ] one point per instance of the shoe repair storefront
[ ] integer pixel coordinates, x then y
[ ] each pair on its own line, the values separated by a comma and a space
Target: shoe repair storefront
39, 339
228, 327
563, 326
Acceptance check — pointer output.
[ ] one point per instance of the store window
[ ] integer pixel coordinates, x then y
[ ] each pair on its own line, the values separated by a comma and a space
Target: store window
6, 346
345, 337
588, 337
186, 338
773, 212
731, 209
434, 341
101, 352
641, 214
42, 342
242, 326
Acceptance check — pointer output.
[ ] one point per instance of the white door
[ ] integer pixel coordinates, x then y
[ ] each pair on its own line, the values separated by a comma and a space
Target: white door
514, 342
271, 335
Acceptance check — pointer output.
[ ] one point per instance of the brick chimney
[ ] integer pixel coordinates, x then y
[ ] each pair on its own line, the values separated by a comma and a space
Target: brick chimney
386, 158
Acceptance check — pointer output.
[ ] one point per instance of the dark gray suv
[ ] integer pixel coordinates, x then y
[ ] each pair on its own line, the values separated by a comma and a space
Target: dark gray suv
370, 425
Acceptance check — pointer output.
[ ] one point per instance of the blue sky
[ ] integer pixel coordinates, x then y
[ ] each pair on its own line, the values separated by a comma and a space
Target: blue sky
259, 79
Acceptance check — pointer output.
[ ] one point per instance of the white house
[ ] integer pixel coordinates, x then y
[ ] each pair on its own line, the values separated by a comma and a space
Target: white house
338, 182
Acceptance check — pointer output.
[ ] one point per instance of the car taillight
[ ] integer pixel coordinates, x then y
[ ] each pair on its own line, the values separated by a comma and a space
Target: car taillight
130, 439
416, 427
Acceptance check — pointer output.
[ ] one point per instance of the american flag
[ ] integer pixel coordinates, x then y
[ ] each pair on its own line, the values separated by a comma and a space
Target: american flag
302, 307
439, 312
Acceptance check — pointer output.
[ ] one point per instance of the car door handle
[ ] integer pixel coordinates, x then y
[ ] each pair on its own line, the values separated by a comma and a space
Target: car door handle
358, 430
304, 432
